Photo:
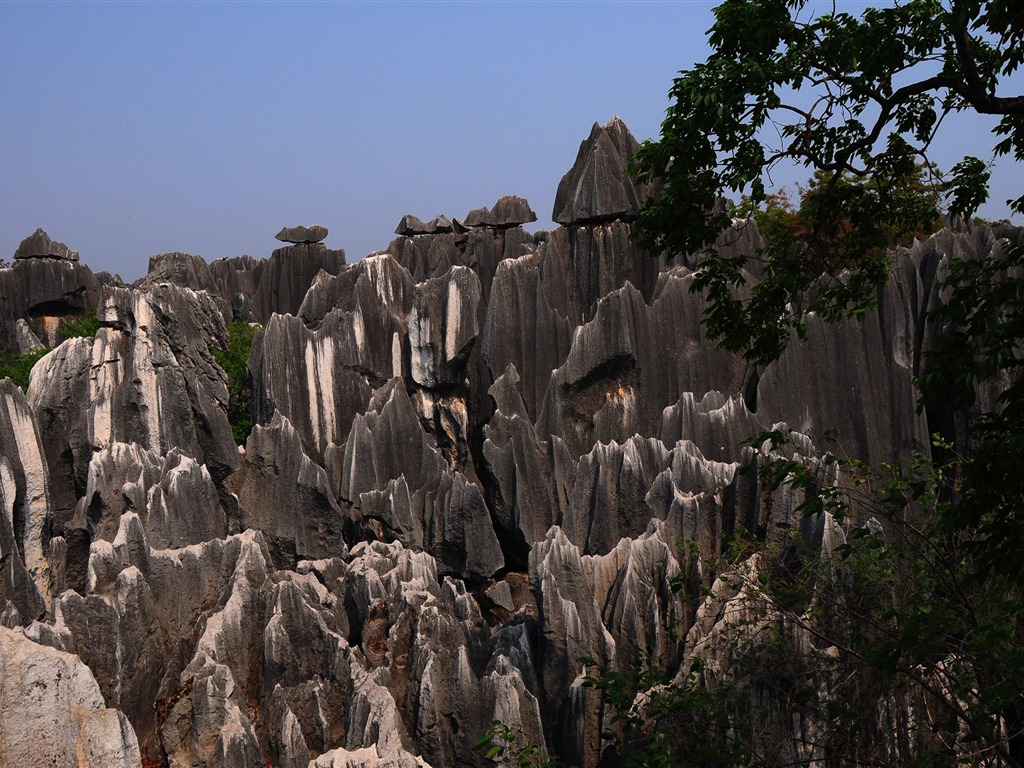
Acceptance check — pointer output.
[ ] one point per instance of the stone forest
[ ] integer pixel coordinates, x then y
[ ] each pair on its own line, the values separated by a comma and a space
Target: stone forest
443, 492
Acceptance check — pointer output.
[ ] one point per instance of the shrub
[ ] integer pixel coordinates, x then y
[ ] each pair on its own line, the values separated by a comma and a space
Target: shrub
232, 359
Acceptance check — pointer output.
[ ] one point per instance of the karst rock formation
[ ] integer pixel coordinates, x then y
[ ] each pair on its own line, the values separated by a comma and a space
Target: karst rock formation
473, 455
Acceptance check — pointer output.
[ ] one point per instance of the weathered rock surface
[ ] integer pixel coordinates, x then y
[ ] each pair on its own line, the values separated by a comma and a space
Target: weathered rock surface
53, 713
598, 188
38, 245
403, 486
38, 294
148, 377
276, 475
302, 235
24, 476
509, 211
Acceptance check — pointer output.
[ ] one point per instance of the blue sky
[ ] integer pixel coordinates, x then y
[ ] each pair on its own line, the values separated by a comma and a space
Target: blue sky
129, 129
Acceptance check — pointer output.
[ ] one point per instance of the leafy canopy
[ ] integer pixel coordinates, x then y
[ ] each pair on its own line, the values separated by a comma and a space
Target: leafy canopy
859, 98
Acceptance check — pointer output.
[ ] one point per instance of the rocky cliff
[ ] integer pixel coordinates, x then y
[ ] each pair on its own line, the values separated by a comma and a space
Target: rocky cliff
473, 456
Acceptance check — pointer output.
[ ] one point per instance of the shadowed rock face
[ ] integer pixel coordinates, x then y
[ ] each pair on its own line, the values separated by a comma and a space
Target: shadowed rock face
472, 460
37, 295
598, 187
38, 245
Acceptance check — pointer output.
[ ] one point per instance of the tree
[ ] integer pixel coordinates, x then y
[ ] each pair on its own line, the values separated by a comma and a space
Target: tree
858, 98
933, 607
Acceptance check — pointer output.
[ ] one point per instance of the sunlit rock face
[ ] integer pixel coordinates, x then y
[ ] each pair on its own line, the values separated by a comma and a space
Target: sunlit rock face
474, 457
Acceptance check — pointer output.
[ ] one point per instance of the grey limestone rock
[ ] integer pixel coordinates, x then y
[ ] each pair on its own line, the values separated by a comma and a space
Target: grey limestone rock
411, 226
287, 275
42, 293
284, 494
313, 233
522, 329
597, 187
443, 326
582, 264
26, 340
617, 377
38, 245
357, 343
148, 377
182, 269
632, 585
17, 589
52, 712
573, 629
27, 501
439, 225
531, 479
855, 377
374, 285
509, 211
608, 498
174, 496
718, 424
403, 485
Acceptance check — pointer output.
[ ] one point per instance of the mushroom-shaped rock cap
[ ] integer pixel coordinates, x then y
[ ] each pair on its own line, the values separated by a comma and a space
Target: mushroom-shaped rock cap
509, 211
299, 235
598, 187
38, 245
410, 226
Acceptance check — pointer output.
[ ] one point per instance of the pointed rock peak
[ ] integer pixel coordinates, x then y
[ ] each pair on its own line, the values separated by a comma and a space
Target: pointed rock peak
439, 225
598, 187
38, 245
314, 233
410, 225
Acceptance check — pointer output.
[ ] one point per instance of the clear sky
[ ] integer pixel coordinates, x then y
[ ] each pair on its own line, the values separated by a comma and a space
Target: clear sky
129, 129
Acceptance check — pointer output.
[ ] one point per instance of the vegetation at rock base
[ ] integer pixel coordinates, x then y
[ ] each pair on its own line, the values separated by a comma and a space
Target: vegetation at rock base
233, 359
501, 742
86, 327
18, 367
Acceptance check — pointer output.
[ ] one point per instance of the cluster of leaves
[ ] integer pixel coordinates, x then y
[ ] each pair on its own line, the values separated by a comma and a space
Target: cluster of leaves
865, 98
982, 345
233, 360
18, 367
911, 612
502, 743
86, 327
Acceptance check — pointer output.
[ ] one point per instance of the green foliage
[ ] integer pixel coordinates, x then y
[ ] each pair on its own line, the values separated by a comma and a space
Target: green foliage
981, 345
502, 743
854, 98
910, 612
232, 359
17, 367
663, 722
86, 327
